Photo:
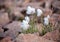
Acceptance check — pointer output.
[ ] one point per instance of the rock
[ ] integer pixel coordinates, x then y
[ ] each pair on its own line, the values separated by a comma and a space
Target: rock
18, 3
33, 4
8, 3
11, 3
13, 29
2, 10
31, 38
1, 2
48, 3
56, 4
15, 13
1, 30
12, 33
4, 19
54, 20
15, 25
54, 35
47, 12
6, 39
56, 16
2, 34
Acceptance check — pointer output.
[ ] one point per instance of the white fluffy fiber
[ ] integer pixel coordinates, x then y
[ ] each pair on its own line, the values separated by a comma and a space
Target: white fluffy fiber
46, 20
27, 19
25, 23
39, 12
30, 10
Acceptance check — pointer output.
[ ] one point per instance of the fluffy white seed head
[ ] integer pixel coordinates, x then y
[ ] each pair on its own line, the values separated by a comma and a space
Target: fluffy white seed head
39, 12
33, 10
46, 21
24, 25
29, 7
30, 10
24, 22
27, 19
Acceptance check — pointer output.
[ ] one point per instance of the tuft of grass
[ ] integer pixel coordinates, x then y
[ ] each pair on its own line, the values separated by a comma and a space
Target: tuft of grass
32, 28
42, 19
46, 28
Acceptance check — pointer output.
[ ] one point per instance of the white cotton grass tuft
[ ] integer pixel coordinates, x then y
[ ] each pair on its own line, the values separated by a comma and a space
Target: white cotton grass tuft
30, 10
33, 10
27, 19
24, 25
24, 22
39, 12
46, 20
